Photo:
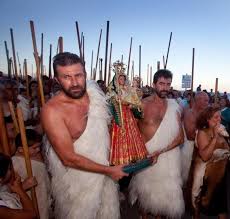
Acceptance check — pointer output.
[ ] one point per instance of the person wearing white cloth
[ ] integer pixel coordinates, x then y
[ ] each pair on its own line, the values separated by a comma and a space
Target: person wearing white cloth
158, 189
76, 124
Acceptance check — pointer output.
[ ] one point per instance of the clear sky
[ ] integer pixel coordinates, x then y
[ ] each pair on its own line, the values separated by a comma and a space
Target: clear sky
200, 24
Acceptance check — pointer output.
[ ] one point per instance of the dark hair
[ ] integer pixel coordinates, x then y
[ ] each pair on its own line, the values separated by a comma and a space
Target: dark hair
5, 162
30, 85
31, 136
162, 73
8, 119
202, 120
66, 59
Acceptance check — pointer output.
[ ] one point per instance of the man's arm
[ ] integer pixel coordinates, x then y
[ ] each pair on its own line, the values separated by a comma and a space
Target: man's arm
190, 125
61, 141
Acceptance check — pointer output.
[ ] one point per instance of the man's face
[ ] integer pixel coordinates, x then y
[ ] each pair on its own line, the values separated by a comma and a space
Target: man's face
72, 80
202, 101
162, 87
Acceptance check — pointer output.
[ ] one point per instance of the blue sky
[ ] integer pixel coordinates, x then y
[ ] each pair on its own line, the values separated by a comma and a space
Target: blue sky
202, 24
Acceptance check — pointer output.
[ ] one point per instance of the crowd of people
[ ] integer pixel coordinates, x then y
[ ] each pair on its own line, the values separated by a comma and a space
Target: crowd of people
84, 135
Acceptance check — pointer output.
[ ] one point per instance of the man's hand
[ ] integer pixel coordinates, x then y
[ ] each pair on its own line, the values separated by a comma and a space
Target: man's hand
154, 156
116, 172
15, 185
29, 182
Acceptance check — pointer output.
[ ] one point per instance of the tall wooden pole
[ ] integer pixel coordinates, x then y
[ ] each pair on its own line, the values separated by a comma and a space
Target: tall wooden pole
8, 60
100, 69
91, 69
60, 43
19, 64
110, 63
158, 65
27, 157
164, 62
3, 133
193, 59
98, 50
151, 76
37, 61
50, 60
14, 118
41, 56
106, 51
132, 70
83, 48
130, 50
165, 66
14, 54
148, 74
140, 62
79, 40
216, 91
27, 81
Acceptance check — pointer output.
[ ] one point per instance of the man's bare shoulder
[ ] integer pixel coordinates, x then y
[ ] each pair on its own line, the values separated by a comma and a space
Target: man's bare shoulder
51, 107
148, 100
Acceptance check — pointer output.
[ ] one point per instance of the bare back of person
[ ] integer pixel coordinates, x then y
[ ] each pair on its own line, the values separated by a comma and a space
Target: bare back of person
154, 112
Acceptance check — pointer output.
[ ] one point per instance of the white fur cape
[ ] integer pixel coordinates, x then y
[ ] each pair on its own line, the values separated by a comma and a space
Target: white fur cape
81, 194
186, 157
158, 188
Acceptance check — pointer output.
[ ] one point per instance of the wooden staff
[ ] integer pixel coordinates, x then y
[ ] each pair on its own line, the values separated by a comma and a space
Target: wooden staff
8, 60
158, 65
50, 60
165, 66
110, 63
132, 70
140, 62
37, 61
98, 50
78, 38
106, 51
94, 74
19, 64
60, 43
100, 69
12, 67
148, 74
4, 142
81, 41
41, 56
26, 77
151, 76
164, 62
12, 112
91, 69
27, 157
14, 55
193, 60
216, 91
83, 48
122, 57
130, 50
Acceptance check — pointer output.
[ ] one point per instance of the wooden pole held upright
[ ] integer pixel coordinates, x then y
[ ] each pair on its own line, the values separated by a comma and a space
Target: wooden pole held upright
79, 40
158, 65
37, 61
91, 69
98, 50
27, 157
12, 112
110, 63
216, 91
140, 62
130, 50
166, 62
14, 54
50, 60
3, 132
60, 42
106, 51
27, 81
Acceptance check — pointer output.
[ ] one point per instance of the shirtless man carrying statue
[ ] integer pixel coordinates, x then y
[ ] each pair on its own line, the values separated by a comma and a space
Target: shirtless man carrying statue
76, 124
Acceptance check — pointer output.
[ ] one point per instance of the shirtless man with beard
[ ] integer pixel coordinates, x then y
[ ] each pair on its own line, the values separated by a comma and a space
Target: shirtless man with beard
158, 188
76, 124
